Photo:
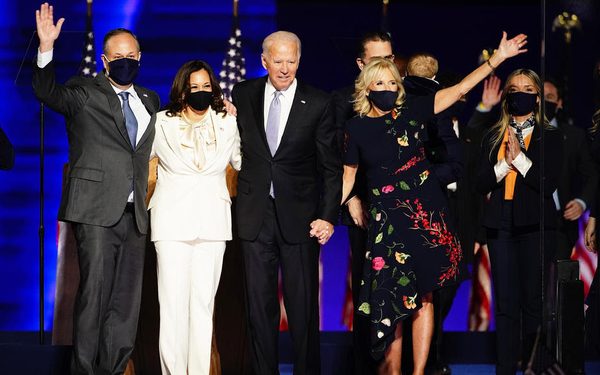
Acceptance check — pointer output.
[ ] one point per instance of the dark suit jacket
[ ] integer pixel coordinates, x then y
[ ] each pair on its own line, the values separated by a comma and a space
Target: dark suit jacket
344, 111
305, 170
442, 147
103, 165
526, 201
579, 178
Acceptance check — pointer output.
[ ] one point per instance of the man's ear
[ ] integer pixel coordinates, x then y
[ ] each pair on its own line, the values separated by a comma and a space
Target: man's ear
559, 104
360, 63
263, 60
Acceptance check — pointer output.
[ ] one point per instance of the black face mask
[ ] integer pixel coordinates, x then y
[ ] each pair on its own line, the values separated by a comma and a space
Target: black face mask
550, 109
199, 100
520, 103
384, 100
123, 71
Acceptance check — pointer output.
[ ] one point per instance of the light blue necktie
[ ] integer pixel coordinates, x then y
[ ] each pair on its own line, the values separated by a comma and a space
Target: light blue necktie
130, 120
273, 128
273, 122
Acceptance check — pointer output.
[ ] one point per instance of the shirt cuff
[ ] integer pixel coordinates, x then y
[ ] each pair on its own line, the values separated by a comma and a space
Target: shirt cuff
522, 164
44, 58
581, 202
501, 169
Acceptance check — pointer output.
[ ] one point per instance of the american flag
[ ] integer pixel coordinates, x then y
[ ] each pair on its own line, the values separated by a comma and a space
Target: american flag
233, 69
87, 68
588, 261
480, 300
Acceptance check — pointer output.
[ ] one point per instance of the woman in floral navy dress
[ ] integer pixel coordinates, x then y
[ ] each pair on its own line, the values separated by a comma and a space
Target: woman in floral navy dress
412, 248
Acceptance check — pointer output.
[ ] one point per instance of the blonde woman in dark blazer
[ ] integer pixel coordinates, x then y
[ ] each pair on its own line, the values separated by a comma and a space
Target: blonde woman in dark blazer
190, 214
510, 173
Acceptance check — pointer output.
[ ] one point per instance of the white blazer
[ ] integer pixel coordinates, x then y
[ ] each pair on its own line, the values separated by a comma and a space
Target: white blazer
191, 203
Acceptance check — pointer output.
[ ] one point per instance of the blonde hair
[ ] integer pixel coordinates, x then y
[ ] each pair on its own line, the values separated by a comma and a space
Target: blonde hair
498, 130
422, 65
281, 36
371, 73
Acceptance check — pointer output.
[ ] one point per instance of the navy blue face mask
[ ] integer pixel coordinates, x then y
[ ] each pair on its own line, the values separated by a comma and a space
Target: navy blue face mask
384, 100
521, 103
123, 71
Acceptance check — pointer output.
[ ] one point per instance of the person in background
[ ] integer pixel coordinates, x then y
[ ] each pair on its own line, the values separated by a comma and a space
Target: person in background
578, 181
443, 150
510, 173
190, 214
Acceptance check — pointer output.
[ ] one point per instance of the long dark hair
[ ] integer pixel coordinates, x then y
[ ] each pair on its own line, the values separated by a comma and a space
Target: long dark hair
181, 88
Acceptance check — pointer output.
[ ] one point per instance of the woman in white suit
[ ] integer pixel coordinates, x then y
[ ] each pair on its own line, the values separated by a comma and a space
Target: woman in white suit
190, 214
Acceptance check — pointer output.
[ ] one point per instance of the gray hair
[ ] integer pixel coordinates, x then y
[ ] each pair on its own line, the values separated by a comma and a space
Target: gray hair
280, 36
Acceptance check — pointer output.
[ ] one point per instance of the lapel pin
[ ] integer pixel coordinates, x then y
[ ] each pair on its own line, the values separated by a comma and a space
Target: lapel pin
303, 101
145, 95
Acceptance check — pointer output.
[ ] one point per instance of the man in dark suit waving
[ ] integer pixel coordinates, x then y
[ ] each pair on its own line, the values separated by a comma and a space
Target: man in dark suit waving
110, 126
289, 192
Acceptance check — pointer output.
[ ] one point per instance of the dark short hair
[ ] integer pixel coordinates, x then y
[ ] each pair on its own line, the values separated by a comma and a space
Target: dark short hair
372, 36
181, 87
116, 32
557, 84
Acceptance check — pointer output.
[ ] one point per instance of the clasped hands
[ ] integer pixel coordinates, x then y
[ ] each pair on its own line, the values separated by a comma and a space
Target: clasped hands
513, 149
321, 229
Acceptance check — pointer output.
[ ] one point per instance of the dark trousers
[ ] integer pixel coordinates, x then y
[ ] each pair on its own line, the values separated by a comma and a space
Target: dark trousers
517, 283
361, 348
111, 263
300, 275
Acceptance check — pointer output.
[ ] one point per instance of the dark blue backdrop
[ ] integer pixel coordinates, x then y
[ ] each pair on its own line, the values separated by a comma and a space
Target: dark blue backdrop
176, 31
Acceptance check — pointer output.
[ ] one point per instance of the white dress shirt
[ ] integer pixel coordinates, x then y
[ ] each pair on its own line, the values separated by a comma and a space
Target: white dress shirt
286, 99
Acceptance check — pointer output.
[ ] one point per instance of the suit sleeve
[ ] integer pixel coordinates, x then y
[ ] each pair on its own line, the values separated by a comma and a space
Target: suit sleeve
330, 165
586, 168
65, 99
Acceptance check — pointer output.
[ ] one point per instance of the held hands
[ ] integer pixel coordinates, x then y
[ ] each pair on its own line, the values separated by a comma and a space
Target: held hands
573, 210
46, 29
321, 229
492, 93
511, 47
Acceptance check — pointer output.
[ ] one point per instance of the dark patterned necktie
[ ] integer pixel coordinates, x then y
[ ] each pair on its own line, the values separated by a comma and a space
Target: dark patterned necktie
520, 127
130, 120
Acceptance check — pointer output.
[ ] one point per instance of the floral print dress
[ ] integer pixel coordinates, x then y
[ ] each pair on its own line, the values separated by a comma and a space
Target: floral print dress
412, 249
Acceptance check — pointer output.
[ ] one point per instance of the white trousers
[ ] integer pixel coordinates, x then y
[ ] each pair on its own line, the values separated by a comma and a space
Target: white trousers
188, 278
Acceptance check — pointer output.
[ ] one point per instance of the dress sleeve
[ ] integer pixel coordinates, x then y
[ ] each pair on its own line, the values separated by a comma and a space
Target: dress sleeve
351, 149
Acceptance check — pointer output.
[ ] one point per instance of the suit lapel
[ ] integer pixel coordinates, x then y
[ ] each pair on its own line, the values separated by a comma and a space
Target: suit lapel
151, 110
299, 106
171, 131
115, 106
257, 102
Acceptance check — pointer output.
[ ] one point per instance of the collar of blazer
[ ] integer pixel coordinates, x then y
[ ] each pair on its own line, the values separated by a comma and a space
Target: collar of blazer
299, 105
169, 126
117, 110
